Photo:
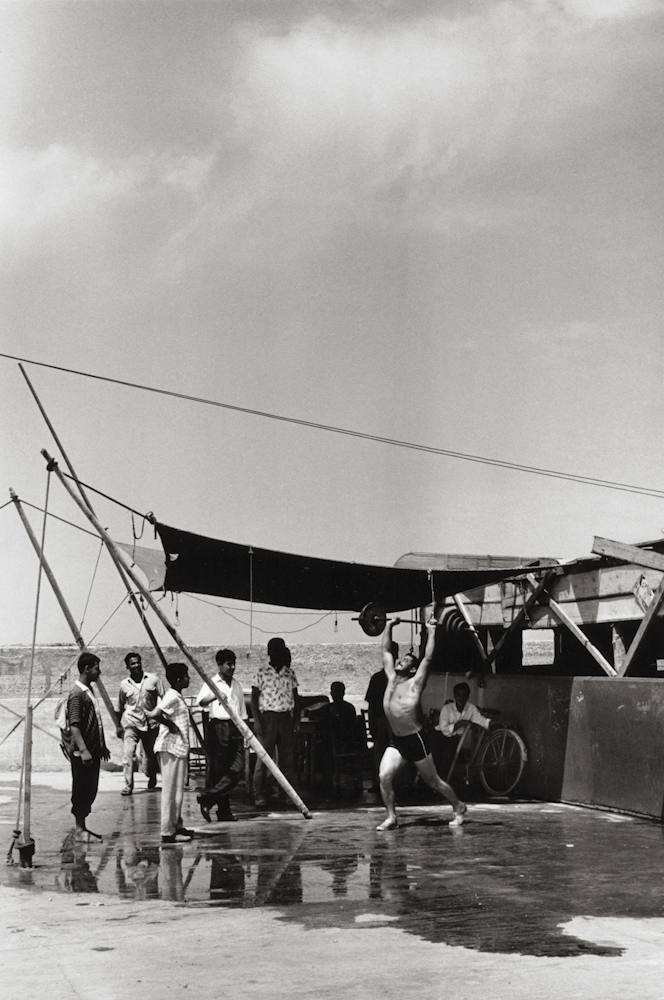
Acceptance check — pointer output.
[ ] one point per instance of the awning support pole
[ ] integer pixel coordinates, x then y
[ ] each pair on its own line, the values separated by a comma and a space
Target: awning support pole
249, 737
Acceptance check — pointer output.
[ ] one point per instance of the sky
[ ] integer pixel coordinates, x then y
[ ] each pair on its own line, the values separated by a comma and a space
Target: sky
437, 222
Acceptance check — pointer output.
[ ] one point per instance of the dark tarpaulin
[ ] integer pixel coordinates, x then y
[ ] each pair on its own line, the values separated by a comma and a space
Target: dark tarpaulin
199, 565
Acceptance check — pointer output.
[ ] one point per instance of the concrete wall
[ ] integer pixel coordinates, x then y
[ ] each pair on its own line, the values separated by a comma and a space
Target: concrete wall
592, 740
615, 744
538, 707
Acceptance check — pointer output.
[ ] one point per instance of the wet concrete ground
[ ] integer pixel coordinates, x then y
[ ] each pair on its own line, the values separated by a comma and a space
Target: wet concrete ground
521, 886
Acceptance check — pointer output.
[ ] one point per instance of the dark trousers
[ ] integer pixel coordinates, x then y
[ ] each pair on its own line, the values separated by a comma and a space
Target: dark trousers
84, 785
278, 734
130, 740
226, 769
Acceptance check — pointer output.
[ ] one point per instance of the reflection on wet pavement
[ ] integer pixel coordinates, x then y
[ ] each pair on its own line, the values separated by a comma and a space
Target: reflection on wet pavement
504, 882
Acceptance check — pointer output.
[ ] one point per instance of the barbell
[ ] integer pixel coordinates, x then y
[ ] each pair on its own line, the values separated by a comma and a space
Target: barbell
372, 619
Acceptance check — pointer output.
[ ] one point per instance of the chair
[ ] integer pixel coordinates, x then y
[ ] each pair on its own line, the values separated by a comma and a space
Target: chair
198, 723
349, 751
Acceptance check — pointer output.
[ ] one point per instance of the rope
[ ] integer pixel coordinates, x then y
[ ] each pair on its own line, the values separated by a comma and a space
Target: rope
105, 496
71, 524
257, 629
379, 439
94, 574
63, 676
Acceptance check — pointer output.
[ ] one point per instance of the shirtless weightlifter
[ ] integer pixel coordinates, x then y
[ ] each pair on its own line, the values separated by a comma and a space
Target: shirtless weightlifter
405, 683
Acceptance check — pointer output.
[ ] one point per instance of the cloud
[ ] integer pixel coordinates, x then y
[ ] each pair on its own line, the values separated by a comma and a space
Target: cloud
49, 193
444, 123
611, 10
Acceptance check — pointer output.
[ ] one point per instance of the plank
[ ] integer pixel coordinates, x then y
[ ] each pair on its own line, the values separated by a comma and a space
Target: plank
628, 553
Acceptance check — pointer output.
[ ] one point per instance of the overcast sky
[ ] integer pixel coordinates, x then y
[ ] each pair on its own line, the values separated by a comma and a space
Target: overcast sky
439, 222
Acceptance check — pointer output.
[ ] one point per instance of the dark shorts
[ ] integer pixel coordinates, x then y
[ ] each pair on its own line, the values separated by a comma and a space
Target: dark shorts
413, 747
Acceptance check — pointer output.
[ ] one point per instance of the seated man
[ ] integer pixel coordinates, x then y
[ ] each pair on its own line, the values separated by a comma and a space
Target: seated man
337, 722
456, 718
339, 715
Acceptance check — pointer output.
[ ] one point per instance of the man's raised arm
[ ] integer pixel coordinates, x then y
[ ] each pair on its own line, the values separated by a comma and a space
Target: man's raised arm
388, 655
423, 670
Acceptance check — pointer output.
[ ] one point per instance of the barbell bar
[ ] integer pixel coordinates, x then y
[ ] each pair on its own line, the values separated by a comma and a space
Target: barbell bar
372, 619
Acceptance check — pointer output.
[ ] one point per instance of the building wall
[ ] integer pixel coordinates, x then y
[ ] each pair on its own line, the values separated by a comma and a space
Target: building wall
615, 744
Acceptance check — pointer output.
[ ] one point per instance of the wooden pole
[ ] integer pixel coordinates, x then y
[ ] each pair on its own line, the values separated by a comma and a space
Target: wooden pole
563, 617
249, 737
523, 610
113, 552
25, 843
639, 557
63, 604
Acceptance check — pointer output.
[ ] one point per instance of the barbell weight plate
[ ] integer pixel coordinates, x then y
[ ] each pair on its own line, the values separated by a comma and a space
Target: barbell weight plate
372, 619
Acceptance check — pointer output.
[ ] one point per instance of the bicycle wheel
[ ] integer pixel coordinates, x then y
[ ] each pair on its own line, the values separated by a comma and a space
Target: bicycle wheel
502, 759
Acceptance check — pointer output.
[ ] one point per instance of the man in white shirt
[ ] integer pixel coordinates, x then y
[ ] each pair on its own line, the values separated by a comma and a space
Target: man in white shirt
225, 742
138, 693
456, 718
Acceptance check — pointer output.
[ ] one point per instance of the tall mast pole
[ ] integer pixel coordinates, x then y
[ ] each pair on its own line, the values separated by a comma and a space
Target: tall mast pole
114, 553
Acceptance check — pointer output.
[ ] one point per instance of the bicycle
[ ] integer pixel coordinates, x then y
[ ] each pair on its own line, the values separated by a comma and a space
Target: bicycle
497, 759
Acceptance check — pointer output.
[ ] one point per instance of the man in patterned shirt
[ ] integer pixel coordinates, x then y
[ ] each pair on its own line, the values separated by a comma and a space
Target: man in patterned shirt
88, 743
172, 745
275, 708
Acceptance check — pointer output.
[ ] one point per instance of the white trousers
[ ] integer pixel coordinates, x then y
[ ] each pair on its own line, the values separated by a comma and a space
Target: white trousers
173, 777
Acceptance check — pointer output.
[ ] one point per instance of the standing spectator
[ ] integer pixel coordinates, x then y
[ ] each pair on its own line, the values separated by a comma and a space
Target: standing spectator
275, 707
225, 742
88, 743
138, 692
172, 745
381, 734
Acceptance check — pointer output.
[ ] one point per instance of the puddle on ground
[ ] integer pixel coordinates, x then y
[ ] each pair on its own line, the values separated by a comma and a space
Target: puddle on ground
511, 886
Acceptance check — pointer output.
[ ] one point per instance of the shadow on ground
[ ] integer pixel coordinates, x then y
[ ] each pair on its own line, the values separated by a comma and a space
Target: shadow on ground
504, 882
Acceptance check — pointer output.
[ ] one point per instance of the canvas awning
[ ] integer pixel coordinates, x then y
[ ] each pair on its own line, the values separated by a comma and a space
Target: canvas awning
200, 565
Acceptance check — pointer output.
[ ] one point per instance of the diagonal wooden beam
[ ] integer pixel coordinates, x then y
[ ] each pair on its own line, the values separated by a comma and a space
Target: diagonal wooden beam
564, 618
528, 602
628, 553
639, 557
644, 627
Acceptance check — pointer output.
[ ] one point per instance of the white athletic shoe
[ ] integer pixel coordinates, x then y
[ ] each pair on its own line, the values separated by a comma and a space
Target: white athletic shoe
459, 817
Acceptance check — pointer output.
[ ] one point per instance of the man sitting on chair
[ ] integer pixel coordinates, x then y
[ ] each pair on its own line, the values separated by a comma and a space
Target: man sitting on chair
456, 718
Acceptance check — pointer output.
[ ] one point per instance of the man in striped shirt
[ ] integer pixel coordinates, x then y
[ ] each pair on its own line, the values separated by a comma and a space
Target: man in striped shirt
89, 744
